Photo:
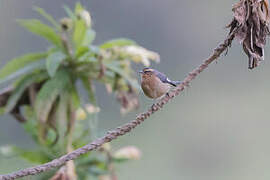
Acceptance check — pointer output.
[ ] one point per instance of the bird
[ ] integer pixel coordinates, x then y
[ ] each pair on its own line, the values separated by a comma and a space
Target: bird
155, 84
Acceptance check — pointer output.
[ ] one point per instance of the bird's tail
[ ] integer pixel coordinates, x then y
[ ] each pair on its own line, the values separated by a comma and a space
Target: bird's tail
175, 83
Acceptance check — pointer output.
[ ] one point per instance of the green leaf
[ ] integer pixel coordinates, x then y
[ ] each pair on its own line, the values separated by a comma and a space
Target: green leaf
21, 87
120, 160
89, 37
30, 126
75, 98
89, 160
37, 156
97, 171
79, 33
43, 30
87, 53
88, 86
78, 8
62, 115
2, 110
81, 51
49, 93
25, 70
53, 61
47, 16
114, 66
19, 62
117, 42
69, 12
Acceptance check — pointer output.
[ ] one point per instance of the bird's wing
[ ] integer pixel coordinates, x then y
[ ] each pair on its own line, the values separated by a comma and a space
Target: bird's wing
164, 78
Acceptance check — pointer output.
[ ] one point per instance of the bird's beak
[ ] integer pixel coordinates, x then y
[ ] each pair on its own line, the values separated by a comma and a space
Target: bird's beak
140, 72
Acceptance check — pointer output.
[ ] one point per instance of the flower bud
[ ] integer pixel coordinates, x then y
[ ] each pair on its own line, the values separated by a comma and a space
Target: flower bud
91, 109
141, 55
66, 24
106, 146
85, 16
6, 150
109, 88
80, 114
128, 152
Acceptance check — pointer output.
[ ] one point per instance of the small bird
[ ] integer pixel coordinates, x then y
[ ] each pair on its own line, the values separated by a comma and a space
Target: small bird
155, 84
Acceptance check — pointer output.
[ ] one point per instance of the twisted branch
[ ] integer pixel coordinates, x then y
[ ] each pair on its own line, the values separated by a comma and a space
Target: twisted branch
122, 130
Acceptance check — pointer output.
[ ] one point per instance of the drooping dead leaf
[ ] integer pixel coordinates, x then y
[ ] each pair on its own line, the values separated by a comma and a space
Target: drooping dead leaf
128, 100
15, 112
66, 172
60, 175
251, 18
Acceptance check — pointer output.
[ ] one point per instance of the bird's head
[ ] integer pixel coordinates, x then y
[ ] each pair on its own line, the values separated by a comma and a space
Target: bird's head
147, 72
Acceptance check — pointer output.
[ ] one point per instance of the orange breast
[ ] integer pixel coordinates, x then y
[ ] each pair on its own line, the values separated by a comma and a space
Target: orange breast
153, 87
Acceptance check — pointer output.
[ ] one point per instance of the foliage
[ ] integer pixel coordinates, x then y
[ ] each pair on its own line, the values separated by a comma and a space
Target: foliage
45, 89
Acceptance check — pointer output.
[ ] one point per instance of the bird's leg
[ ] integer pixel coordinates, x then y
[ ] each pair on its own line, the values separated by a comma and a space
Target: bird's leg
157, 105
153, 107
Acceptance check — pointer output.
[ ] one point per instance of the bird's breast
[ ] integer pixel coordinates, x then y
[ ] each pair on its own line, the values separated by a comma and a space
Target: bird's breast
154, 88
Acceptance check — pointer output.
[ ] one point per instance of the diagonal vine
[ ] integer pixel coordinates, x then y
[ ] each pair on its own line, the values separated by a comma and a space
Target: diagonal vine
126, 128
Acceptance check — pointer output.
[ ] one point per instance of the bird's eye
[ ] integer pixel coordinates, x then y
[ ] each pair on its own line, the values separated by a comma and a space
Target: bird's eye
148, 70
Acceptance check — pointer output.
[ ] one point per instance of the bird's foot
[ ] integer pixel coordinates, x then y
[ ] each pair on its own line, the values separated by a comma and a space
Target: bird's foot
154, 107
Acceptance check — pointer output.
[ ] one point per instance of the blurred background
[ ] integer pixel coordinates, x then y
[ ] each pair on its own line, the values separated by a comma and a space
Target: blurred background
216, 129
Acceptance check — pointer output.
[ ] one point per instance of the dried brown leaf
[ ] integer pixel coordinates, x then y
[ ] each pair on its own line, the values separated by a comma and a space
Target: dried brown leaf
251, 18
61, 174
128, 100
